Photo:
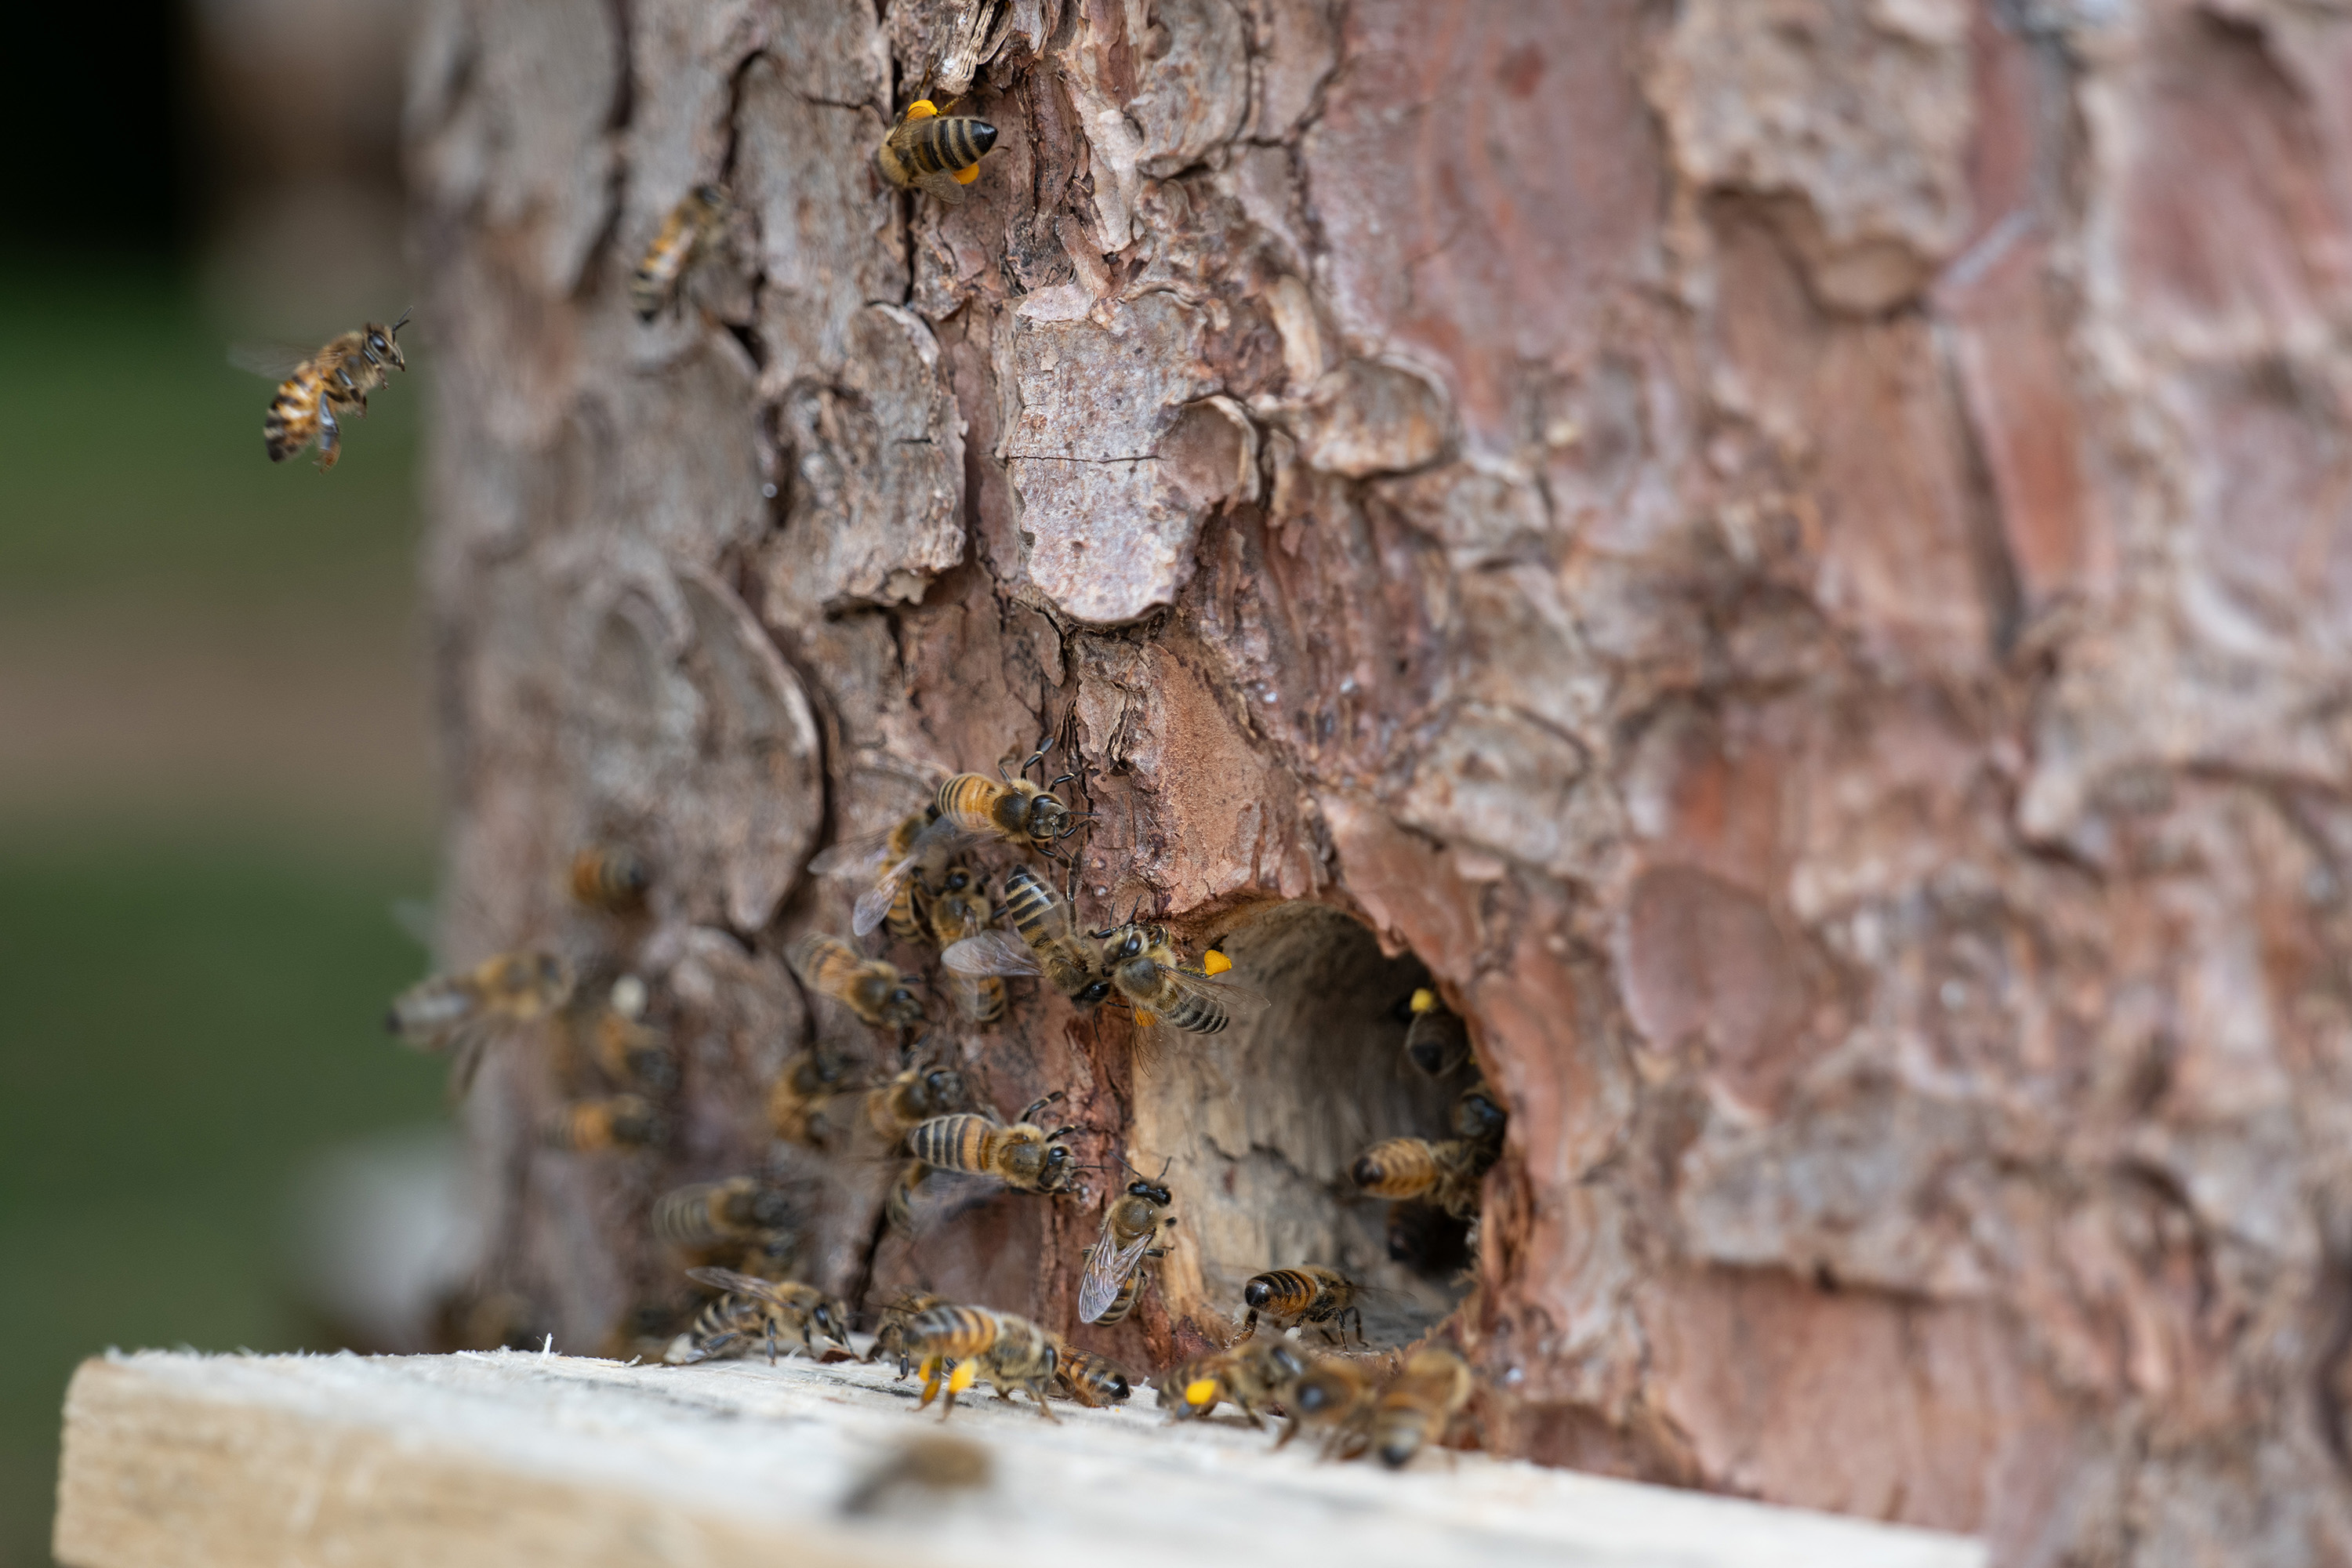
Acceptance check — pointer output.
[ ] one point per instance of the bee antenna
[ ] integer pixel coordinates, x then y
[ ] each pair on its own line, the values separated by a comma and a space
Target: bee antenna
404, 320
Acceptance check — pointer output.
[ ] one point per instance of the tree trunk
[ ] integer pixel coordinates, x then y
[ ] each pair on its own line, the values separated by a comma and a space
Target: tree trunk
1789, 555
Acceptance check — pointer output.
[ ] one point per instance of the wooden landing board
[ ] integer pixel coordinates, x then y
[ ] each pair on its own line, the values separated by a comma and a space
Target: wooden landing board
189, 1461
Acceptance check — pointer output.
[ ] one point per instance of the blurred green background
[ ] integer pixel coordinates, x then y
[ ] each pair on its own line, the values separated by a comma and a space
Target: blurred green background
215, 762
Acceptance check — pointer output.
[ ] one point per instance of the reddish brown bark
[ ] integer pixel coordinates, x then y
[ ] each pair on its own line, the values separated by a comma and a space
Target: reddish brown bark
1792, 556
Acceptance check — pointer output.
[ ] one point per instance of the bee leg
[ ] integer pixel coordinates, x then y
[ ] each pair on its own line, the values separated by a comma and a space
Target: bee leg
772, 1344
1249, 1326
330, 435
962, 1378
1043, 1408
1036, 1106
1357, 1313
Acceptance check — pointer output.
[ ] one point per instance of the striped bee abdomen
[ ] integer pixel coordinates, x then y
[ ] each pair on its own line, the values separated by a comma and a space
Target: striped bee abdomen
969, 800
958, 1143
944, 143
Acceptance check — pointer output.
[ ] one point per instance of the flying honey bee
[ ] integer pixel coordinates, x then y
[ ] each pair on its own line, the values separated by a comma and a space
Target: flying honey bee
320, 391
1247, 1377
869, 987
1093, 1381
1049, 944
1023, 1156
1419, 1405
1114, 1272
970, 808
1437, 1041
960, 910
610, 878
705, 1214
798, 1105
1011, 1352
1148, 970
919, 1091
1330, 1395
1307, 1294
687, 234
1445, 1174
749, 1311
592, 1126
935, 152
459, 1013
890, 1330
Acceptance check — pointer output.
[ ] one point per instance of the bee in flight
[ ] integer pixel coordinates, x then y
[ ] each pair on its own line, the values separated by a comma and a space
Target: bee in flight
870, 988
703, 1216
1048, 942
320, 389
935, 152
1307, 1294
1419, 1406
610, 878
459, 1013
1437, 1041
751, 1310
1147, 970
968, 808
1114, 1272
690, 231
593, 1126
969, 1343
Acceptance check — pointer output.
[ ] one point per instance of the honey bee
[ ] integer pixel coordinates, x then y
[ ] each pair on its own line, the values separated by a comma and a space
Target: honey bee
609, 878
626, 1049
917, 1094
1023, 1156
685, 234
869, 987
970, 808
960, 910
899, 1205
705, 1215
1247, 1376
1437, 1041
876, 857
797, 1105
1419, 1405
592, 1126
322, 390
1445, 1174
1148, 972
1479, 1121
1092, 1380
969, 1343
1049, 944
459, 1011
751, 1310
938, 153
1307, 1294
1330, 1396
890, 1330
1114, 1272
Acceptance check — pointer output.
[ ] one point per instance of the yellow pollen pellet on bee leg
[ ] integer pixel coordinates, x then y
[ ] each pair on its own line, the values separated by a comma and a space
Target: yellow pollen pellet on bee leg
1424, 1000
962, 1378
1214, 963
1201, 1391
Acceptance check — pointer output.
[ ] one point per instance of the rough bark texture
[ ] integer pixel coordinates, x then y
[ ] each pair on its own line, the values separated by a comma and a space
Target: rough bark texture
1793, 554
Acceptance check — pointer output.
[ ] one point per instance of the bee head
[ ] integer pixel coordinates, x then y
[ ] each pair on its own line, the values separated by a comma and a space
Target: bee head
942, 1085
1397, 1450
1092, 994
1150, 1191
1478, 1117
902, 1007
1045, 818
957, 881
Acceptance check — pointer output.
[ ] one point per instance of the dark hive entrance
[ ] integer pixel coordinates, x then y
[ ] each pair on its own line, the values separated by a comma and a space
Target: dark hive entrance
1266, 1120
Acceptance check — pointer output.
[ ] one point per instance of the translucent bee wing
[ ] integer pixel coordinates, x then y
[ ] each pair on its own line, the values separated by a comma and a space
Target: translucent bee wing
416, 919
1239, 1001
943, 1196
864, 855
1107, 1273
729, 1280
944, 187
276, 361
990, 952
874, 904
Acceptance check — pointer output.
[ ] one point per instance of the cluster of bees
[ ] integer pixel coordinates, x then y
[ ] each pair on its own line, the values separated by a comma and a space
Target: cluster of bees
926, 150
923, 881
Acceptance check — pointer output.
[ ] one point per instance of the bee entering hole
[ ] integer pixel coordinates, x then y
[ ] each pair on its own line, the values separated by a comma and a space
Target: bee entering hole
1266, 1120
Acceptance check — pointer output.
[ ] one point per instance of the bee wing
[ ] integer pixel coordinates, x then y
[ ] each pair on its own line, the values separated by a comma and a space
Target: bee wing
864, 855
276, 361
740, 1284
944, 1195
417, 918
990, 952
1239, 1001
944, 187
1107, 1273
875, 902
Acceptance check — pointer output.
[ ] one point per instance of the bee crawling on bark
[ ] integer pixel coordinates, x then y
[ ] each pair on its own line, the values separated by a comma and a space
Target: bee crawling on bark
690, 231
1046, 941
870, 988
1444, 1173
595, 1126
935, 152
1114, 1272
1145, 966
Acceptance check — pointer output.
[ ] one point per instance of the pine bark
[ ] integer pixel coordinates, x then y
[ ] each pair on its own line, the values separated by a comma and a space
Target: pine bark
1790, 557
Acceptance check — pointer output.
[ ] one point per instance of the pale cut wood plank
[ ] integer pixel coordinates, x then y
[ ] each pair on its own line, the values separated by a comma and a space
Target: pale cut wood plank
188, 1461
